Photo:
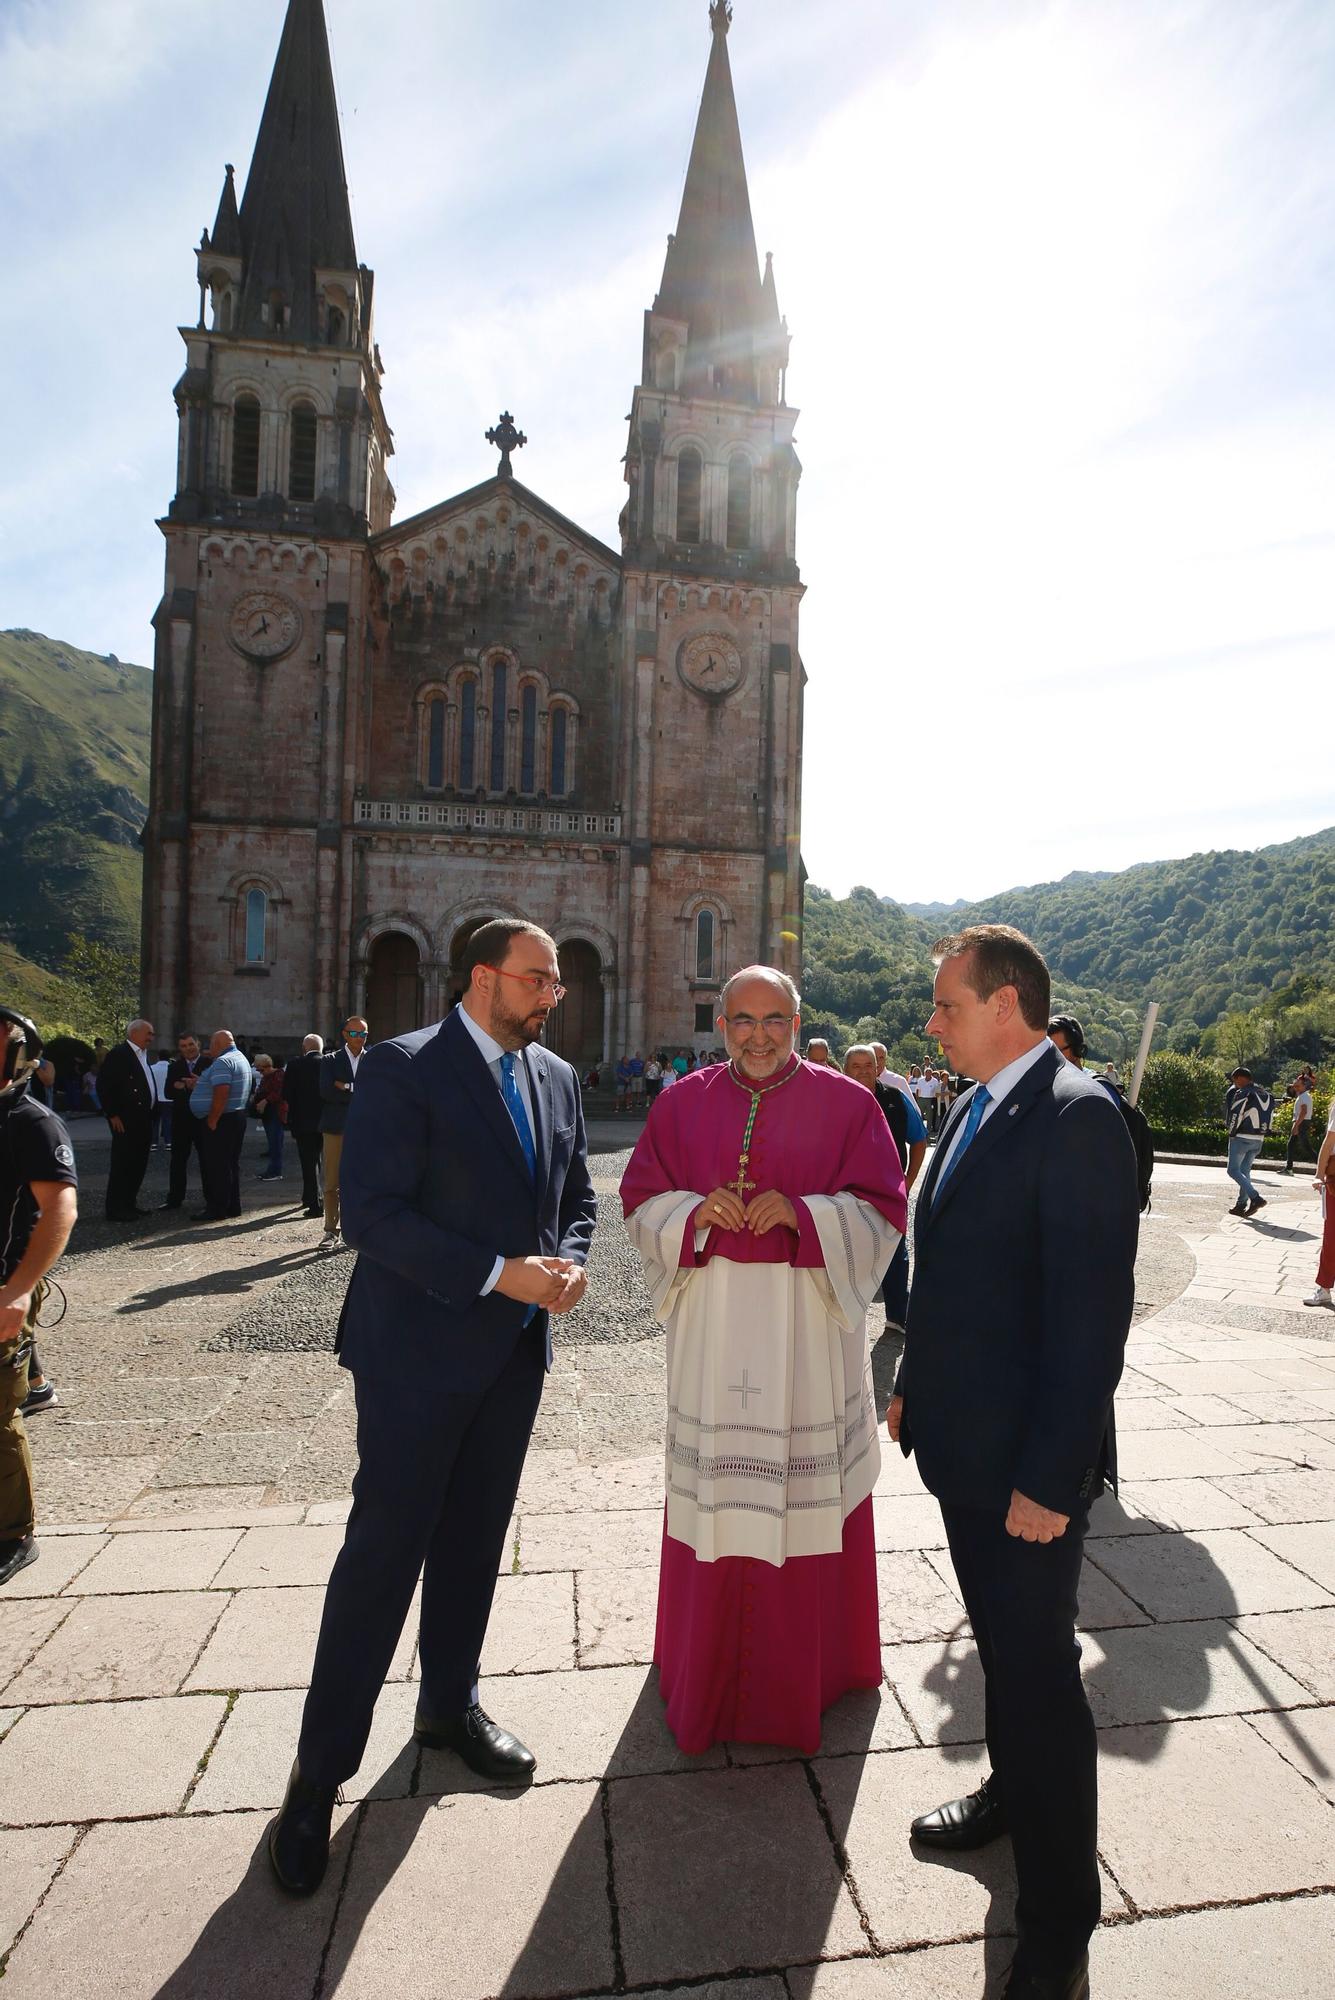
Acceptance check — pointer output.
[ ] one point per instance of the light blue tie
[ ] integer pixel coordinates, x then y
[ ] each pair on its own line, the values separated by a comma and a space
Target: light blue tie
982, 1097
514, 1104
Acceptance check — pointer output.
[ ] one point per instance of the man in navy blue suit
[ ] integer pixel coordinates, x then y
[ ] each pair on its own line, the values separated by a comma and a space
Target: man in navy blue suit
1025, 1245
466, 1192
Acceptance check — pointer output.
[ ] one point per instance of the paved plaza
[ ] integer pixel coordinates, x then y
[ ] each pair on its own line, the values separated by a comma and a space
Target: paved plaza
191, 1487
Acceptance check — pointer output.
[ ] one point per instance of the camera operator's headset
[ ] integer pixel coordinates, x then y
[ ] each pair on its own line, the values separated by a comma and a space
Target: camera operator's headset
20, 1049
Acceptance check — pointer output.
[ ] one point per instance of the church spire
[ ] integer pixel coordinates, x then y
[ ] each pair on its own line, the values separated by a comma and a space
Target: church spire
225, 236
295, 219
711, 279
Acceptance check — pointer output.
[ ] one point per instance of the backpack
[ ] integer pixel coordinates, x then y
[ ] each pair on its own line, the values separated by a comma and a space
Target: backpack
1138, 1125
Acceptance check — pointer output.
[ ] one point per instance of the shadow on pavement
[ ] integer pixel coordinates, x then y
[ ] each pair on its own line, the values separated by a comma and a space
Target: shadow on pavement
215, 1284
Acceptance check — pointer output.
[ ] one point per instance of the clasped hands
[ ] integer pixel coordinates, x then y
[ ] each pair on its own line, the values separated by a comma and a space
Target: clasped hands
1025, 1519
725, 1209
556, 1283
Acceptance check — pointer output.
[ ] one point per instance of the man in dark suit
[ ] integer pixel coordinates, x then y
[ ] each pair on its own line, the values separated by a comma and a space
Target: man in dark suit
466, 1193
181, 1073
126, 1093
338, 1082
301, 1088
1024, 1253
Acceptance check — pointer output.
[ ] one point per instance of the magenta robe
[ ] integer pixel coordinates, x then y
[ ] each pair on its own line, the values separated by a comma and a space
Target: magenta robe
749, 1651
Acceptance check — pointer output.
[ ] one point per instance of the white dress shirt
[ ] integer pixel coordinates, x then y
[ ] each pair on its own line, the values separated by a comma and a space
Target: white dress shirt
491, 1055
999, 1087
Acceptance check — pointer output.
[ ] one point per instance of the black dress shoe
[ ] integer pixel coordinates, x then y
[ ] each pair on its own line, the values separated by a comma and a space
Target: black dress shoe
162, 1206
207, 1215
963, 1823
484, 1746
1072, 1985
299, 1837
16, 1555
1257, 1201
1239, 1208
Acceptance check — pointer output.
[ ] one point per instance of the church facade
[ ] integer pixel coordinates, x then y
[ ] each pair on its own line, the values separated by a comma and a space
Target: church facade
371, 736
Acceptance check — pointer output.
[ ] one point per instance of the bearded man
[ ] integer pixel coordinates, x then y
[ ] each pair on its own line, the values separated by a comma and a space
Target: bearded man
766, 1199
466, 1194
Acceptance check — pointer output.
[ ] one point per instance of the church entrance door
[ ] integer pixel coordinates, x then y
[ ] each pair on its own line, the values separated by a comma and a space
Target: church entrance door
393, 987
575, 1030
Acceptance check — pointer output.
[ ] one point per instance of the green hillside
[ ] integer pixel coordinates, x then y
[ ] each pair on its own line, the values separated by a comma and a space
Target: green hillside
74, 747
1213, 938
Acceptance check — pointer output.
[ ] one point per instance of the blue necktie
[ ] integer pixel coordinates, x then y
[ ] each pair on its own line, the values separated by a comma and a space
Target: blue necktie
982, 1097
514, 1104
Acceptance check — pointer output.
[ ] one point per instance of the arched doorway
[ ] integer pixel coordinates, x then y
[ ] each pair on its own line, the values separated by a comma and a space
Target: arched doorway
393, 987
575, 1030
458, 943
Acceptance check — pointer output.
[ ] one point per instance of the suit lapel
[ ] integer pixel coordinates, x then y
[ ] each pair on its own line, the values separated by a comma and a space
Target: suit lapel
478, 1080
540, 1097
1008, 1114
926, 1202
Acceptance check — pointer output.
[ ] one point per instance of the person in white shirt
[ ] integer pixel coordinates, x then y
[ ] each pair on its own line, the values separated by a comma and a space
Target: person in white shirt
162, 1109
1300, 1133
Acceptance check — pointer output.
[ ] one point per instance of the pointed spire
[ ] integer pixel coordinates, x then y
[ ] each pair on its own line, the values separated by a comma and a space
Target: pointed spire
711, 276
769, 293
295, 217
225, 237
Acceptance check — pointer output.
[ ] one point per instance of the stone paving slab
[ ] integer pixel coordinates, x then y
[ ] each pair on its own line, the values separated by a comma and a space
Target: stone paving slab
24, 1627
616, 1617
474, 1895
29, 1858
532, 1627
868, 1719
910, 1900
172, 1910
117, 1648
1277, 1447
266, 1638
1304, 1738
1215, 1574
616, 1541
274, 1556
60, 1559
189, 1560
81, 1489
1304, 1641
915, 1602
1160, 1673
200, 1507
1310, 1548
104, 1760
1231, 1818
250, 1762
1271, 1951
1286, 1496
1191, 1503
741, 1897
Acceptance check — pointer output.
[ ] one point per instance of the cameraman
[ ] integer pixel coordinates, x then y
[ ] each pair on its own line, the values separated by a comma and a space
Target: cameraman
38, 1193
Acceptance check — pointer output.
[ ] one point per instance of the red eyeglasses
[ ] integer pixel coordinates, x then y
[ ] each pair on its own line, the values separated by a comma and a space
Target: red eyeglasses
535, 982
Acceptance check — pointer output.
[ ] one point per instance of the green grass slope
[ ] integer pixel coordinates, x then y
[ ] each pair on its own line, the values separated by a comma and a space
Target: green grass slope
74, 754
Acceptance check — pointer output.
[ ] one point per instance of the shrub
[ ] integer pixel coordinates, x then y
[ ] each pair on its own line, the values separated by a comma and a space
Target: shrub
1181, 1090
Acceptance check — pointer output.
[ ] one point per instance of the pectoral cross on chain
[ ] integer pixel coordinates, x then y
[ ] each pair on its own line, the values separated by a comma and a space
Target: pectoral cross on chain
741, 1185
746, 1387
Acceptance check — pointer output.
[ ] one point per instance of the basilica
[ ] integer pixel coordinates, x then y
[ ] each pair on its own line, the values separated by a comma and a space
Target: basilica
371, 735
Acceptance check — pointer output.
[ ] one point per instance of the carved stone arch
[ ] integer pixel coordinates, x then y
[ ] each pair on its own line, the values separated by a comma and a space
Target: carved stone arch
467, 914
706, 898
580, 930
392, 970
720, 934
253, 878
394, 920
580, 1029
305, 392
237, 915
538, 678
689, 441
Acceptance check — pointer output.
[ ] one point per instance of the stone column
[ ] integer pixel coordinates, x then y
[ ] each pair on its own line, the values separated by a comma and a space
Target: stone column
609, 984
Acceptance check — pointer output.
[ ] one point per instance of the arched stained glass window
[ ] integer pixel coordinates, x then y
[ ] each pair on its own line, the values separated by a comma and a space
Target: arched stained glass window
704, 945
246, 447
528, 739
435, 740
301, 458
689, 474
739, 501
560, 720
498, 680
467, 733
257, 912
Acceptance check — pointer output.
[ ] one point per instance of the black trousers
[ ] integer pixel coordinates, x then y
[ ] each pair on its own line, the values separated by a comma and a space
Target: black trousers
1301, 1137
129, 1164
186, 1129
433, 1494
310, 1150
1021, 1601
220, 1162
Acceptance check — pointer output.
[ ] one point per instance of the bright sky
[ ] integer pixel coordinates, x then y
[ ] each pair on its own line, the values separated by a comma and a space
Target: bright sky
1060, 276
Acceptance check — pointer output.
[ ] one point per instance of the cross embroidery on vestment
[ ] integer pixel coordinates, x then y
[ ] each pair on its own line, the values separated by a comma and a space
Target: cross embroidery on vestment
746, 1387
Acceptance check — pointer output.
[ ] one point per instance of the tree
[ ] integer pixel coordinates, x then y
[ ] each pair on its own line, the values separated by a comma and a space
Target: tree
107, 977
1181, 1090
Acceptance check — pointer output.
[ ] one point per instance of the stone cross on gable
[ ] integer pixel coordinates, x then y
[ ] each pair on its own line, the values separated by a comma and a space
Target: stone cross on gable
506, 439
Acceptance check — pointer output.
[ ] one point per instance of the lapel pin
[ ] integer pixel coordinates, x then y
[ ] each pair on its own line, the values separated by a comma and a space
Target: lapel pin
1014, 1108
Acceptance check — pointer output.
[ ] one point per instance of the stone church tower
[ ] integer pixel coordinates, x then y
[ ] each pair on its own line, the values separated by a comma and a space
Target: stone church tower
368, 738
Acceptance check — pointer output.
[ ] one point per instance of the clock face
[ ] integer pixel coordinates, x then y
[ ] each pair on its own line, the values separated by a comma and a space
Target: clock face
264, 625
711, 665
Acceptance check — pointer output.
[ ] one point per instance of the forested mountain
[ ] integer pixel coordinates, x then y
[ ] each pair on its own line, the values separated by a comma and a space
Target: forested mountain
74, 742
1211, 937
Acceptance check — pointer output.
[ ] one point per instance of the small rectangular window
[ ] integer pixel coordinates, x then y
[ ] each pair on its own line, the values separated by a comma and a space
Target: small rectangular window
704, 1016
558, 783
467, 734
256, 912
498, 728
529, 740
435, 750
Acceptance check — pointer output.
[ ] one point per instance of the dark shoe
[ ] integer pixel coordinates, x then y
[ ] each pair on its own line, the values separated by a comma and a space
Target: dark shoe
207, 1215
38, 1399
970, 1822
317, 1210
299, 1837
268, 1177
16, 1555
1239, 1207
170, 1204
1257, 1201
1072, 1985
484, 1746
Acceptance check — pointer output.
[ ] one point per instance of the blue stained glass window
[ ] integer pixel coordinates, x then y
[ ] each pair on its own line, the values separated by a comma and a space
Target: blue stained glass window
558, 753
467, 734
257, 910
528, 739
498, 729
704, 945
435, 742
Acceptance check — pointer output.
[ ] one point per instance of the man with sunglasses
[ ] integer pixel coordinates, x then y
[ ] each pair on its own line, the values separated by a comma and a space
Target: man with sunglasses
466, 1194
338, 1078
